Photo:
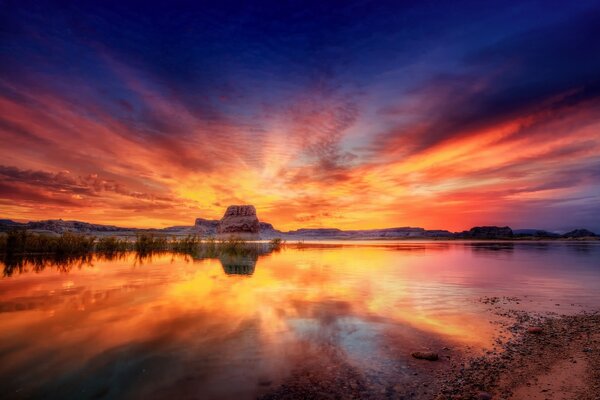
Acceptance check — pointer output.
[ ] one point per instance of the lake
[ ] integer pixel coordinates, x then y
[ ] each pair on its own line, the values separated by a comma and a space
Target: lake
171, 326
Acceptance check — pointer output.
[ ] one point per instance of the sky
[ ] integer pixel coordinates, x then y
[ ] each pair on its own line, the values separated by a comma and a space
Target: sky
356, 115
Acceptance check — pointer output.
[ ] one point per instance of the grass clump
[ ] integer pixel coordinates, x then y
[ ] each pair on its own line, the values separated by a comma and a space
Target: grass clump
149, 243
233, 245
22, 242
70, 243
188, 244
112, 245
276, 243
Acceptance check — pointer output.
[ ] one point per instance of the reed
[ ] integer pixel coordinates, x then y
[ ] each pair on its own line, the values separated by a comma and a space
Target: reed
69, 246
111, 245
22, 242
276, 244
70, 243
188, 244
149, 243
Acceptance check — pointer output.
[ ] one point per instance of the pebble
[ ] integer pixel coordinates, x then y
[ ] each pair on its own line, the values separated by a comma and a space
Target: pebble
534, 329
425, 355
484, 396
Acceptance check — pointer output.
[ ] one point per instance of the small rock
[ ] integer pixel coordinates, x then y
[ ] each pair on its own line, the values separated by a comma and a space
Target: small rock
535, 329
425, 355
483, 396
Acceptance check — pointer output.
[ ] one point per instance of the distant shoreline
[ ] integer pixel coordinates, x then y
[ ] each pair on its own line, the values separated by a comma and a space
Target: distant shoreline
250, 228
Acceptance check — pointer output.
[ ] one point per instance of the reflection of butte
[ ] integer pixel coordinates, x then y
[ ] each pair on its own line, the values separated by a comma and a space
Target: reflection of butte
238, 264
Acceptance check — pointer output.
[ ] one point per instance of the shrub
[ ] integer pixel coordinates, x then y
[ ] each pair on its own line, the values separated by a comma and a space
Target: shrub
276, 243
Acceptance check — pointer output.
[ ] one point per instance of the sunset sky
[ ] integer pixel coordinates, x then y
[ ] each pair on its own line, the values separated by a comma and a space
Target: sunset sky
352, 115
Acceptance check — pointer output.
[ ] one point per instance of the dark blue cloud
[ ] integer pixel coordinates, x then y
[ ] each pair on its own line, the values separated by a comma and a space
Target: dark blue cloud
253, 52
547, 68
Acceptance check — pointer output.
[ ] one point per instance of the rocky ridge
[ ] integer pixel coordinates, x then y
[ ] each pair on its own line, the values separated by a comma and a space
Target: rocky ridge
243, 221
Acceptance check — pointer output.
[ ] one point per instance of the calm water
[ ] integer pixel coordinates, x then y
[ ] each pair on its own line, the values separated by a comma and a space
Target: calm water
175, 327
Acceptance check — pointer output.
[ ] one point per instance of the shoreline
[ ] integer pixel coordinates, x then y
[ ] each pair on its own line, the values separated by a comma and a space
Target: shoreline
551, 357
546, 357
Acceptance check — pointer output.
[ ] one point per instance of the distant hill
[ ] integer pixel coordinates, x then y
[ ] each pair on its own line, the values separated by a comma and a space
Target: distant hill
61, 226
579, 233
537, 233
487, 232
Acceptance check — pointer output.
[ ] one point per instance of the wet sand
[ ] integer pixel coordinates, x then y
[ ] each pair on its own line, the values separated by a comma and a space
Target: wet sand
545, 357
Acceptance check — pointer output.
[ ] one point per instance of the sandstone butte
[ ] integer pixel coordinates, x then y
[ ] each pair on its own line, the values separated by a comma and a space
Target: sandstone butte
239, 220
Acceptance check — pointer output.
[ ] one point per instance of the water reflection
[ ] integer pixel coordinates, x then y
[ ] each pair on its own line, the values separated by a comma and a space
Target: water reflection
23, 263
493, 247
238, 264
241, 258
173, 325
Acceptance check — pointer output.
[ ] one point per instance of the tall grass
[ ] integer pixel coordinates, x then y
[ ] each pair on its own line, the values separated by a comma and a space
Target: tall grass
23, 242
19, 248
276, 244
188, 244
148, 243
69, 243
112, 245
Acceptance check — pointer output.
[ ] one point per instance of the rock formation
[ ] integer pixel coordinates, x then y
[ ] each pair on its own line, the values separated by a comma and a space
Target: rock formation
579, 233
206, 227
239, 221
535, 233
487, 232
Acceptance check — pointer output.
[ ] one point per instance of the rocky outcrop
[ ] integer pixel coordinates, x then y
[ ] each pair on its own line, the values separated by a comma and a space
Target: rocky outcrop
366, 234
206, 227
579, 233
317, 232
239, 221
535, 233
61, 226
487, 232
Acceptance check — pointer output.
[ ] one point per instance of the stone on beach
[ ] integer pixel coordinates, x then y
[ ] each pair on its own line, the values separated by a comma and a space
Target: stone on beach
484, 396
535, 330
425, 355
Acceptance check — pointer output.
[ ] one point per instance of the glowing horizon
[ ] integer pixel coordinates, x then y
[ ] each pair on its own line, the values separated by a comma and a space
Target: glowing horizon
352, 117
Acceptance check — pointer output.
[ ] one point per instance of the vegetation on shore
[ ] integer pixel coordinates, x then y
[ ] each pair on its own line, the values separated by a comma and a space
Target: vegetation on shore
21, 242
19, 249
